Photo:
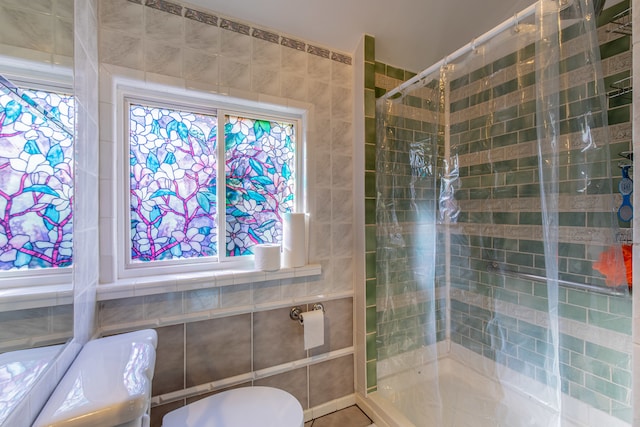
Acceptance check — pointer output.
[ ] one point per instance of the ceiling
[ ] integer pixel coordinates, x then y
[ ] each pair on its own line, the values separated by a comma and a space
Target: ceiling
410, 34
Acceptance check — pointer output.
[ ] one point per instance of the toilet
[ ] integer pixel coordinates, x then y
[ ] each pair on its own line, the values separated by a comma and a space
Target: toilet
118, 394
241, 407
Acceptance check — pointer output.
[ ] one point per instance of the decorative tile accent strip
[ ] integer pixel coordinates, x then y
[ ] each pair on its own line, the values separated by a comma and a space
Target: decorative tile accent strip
165, 6
205, 18
293, 44
266, 35
315, 50
235, 26
341, 58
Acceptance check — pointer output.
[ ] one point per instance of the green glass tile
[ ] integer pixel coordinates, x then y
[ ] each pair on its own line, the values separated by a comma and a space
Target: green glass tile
369, 75
370, 238
395, 73
479, 122
572, 312
572, 250
505, 166
621, 305
372, 374
504, 140
615, 47
531, 246
607, 14
372, 351
505, 88
456, 128
506, 192
529, 190
608, 355
379, 92
619, 115
371, 319
527, 52
588, 299
381, 68
371, 285
534, 302
505, 218
521, 259
480, 73
609, 321
371, 265
480, 97
370, 184
621, 377
370, 211
459, 105
459, 82
369, 103
572, 343
590, 397
572, 219
622, 411
409, 75
369, 48
370, 157
370, 130
505, 295
521, 123
606, 388
505, 62
572, 374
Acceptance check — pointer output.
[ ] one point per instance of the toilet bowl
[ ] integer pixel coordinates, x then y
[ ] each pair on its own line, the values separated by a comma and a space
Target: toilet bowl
241, 407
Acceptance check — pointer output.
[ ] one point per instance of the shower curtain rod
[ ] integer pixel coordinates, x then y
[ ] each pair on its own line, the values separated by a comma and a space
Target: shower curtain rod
464, 49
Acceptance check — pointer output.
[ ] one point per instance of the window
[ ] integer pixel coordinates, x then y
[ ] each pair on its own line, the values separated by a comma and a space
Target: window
36, 179
176, 210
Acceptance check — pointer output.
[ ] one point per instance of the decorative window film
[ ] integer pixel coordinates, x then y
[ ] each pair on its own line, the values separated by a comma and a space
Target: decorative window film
260, 160
173, 175
36, 179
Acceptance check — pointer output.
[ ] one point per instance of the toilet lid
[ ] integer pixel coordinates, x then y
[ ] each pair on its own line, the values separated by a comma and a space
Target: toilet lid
241, 407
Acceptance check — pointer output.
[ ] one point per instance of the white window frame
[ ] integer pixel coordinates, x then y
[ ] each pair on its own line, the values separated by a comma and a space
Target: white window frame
52, 78
204, 103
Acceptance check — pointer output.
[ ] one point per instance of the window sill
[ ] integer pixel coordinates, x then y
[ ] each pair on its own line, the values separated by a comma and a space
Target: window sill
150, 285
35, 297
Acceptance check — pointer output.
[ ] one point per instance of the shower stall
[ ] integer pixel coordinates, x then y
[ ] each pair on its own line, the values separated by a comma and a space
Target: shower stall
503, 297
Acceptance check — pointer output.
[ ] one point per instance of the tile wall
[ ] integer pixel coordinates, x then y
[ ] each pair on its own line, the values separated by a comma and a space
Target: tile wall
41, 32
230, 336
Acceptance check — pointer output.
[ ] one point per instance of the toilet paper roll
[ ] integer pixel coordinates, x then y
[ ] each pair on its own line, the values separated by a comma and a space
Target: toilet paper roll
294, 242
266, 257
313, 323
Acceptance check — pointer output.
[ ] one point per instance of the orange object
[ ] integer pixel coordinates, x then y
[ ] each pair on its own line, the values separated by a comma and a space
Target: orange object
608, 265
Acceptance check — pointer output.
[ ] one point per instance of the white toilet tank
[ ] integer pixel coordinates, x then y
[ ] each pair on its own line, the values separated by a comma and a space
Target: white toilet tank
108, 384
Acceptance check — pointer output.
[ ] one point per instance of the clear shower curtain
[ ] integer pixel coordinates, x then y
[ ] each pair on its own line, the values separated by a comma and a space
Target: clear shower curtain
494, 198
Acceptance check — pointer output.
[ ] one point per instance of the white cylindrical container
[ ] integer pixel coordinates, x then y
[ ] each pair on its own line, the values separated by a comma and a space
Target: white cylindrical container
294, 242
267, 257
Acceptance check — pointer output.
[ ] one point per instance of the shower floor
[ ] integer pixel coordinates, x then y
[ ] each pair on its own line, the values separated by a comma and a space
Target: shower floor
450, 394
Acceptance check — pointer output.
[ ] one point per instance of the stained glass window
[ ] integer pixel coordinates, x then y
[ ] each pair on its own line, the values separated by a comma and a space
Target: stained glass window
173, 175
172, 184
260, 161
36, 180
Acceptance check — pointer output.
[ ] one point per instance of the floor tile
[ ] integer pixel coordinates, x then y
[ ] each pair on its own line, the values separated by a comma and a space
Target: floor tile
348, 417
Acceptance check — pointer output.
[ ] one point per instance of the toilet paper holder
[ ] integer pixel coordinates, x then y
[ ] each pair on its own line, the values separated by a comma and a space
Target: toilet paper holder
296, 312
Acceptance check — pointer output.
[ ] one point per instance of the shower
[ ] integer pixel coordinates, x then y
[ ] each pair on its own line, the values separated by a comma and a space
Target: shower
497, 233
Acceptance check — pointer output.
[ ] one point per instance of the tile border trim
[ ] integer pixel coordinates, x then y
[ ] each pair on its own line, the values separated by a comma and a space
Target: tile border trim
247, 30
